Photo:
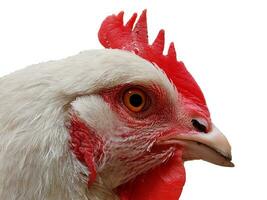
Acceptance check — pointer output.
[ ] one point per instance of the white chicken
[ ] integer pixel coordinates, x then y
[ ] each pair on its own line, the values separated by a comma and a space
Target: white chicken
105, 124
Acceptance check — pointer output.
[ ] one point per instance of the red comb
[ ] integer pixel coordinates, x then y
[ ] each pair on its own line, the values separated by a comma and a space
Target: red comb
114, 34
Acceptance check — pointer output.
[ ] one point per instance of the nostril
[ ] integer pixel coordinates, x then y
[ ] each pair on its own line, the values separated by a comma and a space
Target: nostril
198, 126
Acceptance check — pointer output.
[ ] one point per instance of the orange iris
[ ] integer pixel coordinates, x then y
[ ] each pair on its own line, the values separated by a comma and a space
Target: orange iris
134, 99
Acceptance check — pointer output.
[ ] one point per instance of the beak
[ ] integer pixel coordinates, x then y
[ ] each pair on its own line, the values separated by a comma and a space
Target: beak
212, 147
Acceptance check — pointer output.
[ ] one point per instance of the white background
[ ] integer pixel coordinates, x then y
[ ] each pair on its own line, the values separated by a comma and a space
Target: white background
223, 44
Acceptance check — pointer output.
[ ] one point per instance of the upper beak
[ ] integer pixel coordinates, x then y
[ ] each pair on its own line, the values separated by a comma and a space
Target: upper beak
212, 147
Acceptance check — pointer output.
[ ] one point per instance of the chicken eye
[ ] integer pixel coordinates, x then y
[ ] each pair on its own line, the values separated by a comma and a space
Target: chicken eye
134, 100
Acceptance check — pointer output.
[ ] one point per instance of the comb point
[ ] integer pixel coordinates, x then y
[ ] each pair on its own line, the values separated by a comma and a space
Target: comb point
140, 28
120, 17
172, 51
159, 42
131, 21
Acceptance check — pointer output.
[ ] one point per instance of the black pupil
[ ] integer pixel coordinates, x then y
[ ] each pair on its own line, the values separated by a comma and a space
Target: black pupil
136, 100
200, 127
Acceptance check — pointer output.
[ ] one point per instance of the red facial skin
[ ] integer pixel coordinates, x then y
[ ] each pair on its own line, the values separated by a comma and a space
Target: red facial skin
166, 180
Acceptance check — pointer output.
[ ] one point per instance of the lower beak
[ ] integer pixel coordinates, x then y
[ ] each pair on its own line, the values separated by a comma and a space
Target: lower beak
212, 147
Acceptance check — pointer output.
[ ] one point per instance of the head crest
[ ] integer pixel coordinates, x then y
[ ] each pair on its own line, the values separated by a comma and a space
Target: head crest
114, 34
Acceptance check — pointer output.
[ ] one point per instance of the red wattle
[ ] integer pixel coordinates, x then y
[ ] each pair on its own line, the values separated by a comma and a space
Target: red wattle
163, 182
